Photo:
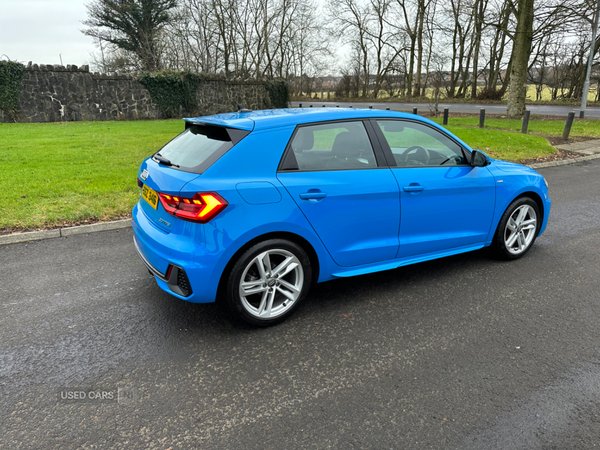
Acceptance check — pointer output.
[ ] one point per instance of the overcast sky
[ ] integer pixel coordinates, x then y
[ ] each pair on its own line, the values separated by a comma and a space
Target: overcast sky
41, 30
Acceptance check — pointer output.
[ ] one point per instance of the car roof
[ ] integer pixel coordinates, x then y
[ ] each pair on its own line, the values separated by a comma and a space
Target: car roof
274, 118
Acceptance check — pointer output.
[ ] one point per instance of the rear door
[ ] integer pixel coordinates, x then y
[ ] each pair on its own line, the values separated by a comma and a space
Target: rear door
339, 180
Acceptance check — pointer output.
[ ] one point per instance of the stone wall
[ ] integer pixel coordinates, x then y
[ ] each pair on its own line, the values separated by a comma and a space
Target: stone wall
52, 93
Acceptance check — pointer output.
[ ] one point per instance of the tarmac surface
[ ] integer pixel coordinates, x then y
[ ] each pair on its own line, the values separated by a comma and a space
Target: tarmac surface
464, 352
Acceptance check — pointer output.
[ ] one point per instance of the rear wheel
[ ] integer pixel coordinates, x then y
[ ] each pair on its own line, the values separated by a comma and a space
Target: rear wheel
518, 228
268, 281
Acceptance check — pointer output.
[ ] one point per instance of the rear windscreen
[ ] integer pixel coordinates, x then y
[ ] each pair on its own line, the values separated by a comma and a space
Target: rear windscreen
198, 147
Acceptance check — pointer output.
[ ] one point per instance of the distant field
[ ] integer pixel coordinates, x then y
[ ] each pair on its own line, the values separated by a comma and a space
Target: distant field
531, 95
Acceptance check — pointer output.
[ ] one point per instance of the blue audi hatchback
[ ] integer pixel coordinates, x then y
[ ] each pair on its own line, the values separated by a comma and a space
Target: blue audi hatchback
255, 207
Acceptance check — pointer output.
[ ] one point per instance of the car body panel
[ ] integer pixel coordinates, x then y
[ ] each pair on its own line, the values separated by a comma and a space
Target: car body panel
357, 219
454, 208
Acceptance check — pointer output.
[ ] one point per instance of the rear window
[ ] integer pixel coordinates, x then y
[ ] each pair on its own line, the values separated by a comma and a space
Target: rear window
199, 146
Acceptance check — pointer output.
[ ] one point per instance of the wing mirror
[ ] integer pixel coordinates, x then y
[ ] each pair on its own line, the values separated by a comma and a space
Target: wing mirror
479, 159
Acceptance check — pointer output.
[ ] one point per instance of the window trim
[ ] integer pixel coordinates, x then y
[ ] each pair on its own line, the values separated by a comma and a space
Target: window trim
390, 155
288, 163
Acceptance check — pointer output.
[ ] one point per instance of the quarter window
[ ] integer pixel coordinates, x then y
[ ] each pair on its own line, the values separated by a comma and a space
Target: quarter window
416, 144
333, 146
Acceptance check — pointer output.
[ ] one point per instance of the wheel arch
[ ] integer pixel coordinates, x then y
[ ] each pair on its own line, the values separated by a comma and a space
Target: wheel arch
536, 198
297, 239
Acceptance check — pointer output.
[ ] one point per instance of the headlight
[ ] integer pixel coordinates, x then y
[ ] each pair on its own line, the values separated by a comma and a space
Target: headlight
546, 181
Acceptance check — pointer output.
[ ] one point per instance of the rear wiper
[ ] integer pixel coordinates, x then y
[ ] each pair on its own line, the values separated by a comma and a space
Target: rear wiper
162, 160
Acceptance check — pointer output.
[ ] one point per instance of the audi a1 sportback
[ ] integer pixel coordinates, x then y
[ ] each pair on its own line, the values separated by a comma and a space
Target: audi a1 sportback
254, 207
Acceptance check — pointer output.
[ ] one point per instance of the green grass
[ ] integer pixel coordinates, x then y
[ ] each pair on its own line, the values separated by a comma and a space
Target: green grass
504, 144
60, 173
583, 128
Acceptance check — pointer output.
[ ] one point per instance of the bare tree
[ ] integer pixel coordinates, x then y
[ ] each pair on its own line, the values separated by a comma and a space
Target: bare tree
131, 25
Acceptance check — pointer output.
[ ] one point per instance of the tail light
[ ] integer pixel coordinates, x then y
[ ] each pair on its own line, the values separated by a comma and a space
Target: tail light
202, 207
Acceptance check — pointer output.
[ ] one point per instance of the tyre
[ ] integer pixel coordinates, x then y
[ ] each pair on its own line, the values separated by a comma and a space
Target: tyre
268, 281
517, 230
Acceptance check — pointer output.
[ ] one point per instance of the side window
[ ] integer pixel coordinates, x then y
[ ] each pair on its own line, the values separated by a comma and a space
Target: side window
416, 144
333, 146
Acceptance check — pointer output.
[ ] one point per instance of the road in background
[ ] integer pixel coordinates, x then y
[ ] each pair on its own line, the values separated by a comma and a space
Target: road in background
460, 353
548, 110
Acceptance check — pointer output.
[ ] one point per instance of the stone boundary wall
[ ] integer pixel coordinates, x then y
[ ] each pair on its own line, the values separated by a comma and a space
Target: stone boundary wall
54, 93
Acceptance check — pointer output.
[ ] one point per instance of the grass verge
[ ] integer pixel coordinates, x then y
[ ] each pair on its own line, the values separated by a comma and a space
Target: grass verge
55, 174
581, 127
58, 174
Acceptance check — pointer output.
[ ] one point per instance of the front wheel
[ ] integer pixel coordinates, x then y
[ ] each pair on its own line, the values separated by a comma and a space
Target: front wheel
268, 281
518, 228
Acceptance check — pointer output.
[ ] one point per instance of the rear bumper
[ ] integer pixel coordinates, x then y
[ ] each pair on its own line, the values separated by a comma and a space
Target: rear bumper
173, 261
175, 277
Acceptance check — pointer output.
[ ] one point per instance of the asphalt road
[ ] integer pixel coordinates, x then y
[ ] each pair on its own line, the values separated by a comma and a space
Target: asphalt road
460, 353
548, 110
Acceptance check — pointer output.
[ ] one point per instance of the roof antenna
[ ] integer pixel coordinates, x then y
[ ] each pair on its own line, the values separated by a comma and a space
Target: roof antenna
242, 109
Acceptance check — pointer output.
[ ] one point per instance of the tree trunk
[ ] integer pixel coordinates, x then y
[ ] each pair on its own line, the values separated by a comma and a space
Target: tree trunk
520, 59
421, 12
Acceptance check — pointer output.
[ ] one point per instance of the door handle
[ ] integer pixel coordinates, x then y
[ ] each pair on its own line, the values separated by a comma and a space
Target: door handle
313, 195
414, 187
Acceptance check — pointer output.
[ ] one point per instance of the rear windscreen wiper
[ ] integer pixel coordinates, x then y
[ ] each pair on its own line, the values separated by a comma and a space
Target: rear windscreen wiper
163, 160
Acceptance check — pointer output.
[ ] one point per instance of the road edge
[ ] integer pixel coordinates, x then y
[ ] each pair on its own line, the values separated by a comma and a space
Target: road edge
15, 238
563, 162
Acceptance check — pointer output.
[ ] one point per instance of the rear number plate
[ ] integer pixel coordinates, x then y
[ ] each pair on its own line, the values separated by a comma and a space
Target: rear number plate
150, 196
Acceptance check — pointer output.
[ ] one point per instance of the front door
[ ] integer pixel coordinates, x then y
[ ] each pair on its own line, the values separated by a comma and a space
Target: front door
445, 203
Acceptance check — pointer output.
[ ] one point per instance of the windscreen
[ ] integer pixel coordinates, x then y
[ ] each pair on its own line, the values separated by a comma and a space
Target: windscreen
197, 148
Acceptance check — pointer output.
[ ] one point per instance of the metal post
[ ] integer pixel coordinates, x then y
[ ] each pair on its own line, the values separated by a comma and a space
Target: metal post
482, 118
445, 116
568, 125
586, 84
525, 124
415, 110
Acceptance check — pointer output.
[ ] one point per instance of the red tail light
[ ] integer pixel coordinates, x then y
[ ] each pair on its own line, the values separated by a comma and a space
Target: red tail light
202, 207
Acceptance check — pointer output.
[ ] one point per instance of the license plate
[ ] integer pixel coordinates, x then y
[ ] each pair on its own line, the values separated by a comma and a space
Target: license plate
150, 196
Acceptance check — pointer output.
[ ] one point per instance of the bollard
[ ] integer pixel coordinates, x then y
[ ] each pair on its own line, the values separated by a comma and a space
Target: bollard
525, 122
581, 114
415, 110
300, 105
482, 118
568, 125
445, 116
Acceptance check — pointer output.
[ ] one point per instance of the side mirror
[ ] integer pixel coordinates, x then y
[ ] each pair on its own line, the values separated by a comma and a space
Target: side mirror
479, 159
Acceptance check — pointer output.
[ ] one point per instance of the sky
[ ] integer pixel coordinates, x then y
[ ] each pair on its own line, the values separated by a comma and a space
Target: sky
42, 30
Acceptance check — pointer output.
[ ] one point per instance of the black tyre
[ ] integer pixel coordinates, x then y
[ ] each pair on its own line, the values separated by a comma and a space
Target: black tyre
518, 229
268, 281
